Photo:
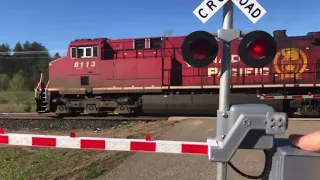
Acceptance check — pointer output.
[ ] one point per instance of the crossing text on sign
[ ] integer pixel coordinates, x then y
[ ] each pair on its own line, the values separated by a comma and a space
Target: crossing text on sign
208, 8
251, 8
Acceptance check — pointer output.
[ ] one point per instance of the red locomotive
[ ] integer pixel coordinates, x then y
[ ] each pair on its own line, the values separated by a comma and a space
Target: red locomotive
150, 76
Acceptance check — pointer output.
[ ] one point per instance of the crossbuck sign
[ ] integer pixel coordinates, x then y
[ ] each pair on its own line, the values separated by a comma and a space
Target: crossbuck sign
251, 8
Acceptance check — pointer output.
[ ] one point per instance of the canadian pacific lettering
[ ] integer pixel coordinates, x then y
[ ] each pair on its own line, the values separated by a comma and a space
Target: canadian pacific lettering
215, 71
236, 71
234, 59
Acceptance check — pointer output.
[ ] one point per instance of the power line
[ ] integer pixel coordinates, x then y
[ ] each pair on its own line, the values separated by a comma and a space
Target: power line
30, 52
3, 58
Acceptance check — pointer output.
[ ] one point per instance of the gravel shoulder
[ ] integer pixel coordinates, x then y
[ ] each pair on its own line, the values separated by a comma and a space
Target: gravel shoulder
147, 166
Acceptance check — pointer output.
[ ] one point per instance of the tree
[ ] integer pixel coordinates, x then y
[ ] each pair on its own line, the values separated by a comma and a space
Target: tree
23, 65
56, 56
167, 33
4, 82
17, 58
35, 61
18, 47
5, 62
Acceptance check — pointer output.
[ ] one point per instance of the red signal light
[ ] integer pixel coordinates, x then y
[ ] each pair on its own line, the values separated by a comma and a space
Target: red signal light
199, 49
257, 49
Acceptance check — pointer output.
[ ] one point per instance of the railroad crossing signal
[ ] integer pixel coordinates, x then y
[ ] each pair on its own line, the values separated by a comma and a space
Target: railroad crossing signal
251, 8
256, 49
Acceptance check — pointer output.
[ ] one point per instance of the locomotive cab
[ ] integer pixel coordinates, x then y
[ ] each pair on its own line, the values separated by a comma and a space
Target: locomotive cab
74, 72
70, 75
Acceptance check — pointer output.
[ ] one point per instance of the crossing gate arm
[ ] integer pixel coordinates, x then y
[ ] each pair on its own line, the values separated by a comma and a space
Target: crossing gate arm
264, 124
308, 96
108, 144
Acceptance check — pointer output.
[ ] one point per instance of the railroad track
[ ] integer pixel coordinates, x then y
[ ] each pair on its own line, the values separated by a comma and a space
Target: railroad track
40, 122
36, 116
88, 118
36, 122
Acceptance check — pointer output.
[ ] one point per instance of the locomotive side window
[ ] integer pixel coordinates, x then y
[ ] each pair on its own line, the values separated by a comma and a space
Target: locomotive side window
88, 52
139, 44
155, 43
73, 52
95, 51
79, 52
84, 52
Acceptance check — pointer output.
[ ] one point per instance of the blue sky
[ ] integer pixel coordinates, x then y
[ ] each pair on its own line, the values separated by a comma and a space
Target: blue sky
55, 23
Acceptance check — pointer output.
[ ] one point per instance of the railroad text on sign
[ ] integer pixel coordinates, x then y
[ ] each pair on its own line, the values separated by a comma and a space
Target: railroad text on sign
251, 8
208, 8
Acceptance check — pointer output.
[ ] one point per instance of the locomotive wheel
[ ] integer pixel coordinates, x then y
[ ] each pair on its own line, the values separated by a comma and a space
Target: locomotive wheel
122, 109
62, 111
91, 109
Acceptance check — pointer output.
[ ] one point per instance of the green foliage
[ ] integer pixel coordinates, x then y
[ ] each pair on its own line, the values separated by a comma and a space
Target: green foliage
93, 171
17, 82
21, 66
42, 163
56, 56
168, 33
4, 82
27, 107
17, 101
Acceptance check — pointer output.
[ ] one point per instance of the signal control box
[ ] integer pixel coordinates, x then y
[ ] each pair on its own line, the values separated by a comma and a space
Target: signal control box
290, 163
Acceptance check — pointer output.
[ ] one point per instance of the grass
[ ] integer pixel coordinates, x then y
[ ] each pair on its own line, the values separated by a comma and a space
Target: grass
28, 163
31, 163
35, 163
24, 163
17, 102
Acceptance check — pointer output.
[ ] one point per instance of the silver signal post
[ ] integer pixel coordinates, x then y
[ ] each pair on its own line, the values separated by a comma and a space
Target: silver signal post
224, 91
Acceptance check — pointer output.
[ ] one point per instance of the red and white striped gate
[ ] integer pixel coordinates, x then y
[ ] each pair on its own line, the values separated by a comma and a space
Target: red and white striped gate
309, 96
108, 144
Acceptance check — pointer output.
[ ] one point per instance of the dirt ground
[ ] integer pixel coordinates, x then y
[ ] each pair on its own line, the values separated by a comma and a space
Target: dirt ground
22, 163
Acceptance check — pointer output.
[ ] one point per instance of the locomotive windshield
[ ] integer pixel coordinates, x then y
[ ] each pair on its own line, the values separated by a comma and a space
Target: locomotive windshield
84, 52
